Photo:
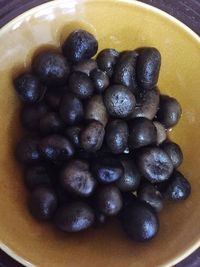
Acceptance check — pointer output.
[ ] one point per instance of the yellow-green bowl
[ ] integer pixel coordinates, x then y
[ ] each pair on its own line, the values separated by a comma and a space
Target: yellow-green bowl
121, 25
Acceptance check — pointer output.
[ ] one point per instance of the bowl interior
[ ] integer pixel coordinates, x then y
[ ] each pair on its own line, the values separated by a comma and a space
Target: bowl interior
121, 25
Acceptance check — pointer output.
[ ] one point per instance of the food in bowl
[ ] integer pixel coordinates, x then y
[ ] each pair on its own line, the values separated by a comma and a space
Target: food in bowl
97, 145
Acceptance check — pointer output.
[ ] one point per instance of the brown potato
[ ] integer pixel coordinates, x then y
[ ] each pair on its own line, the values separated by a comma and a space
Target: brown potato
96, 110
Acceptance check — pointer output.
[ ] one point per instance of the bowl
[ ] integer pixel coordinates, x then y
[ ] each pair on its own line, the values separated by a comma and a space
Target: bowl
121, 25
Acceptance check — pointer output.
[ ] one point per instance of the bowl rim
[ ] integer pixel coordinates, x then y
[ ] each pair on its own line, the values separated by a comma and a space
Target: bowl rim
184, 27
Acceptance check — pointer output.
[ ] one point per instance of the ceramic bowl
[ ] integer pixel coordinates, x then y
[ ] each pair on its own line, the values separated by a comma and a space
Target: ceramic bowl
121, 25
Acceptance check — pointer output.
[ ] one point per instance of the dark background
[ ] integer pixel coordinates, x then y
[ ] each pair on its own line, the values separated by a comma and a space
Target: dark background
188, 11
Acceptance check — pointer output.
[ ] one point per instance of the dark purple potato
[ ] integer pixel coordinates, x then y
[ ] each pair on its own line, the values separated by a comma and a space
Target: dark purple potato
106, 60
131, 178
119, 101
31, 115
147, 103
71, 109
73, 134
148, 67
53, 99
80, 45
52, 68
36, 176
178, 188
74, 217
142, 132
152, 196
169, 112
107, 170
109, 200
56, 148
85, 66
29, 88
154, 164
174, 151
92, 136
139, 221
51, 123
27, 150
81, 85
76, 178
43, 203
100, 80
117, 136
161, 132
125, 70
96, 110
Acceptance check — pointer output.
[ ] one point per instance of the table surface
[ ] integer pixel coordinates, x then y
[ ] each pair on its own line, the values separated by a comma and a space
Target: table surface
188, 11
